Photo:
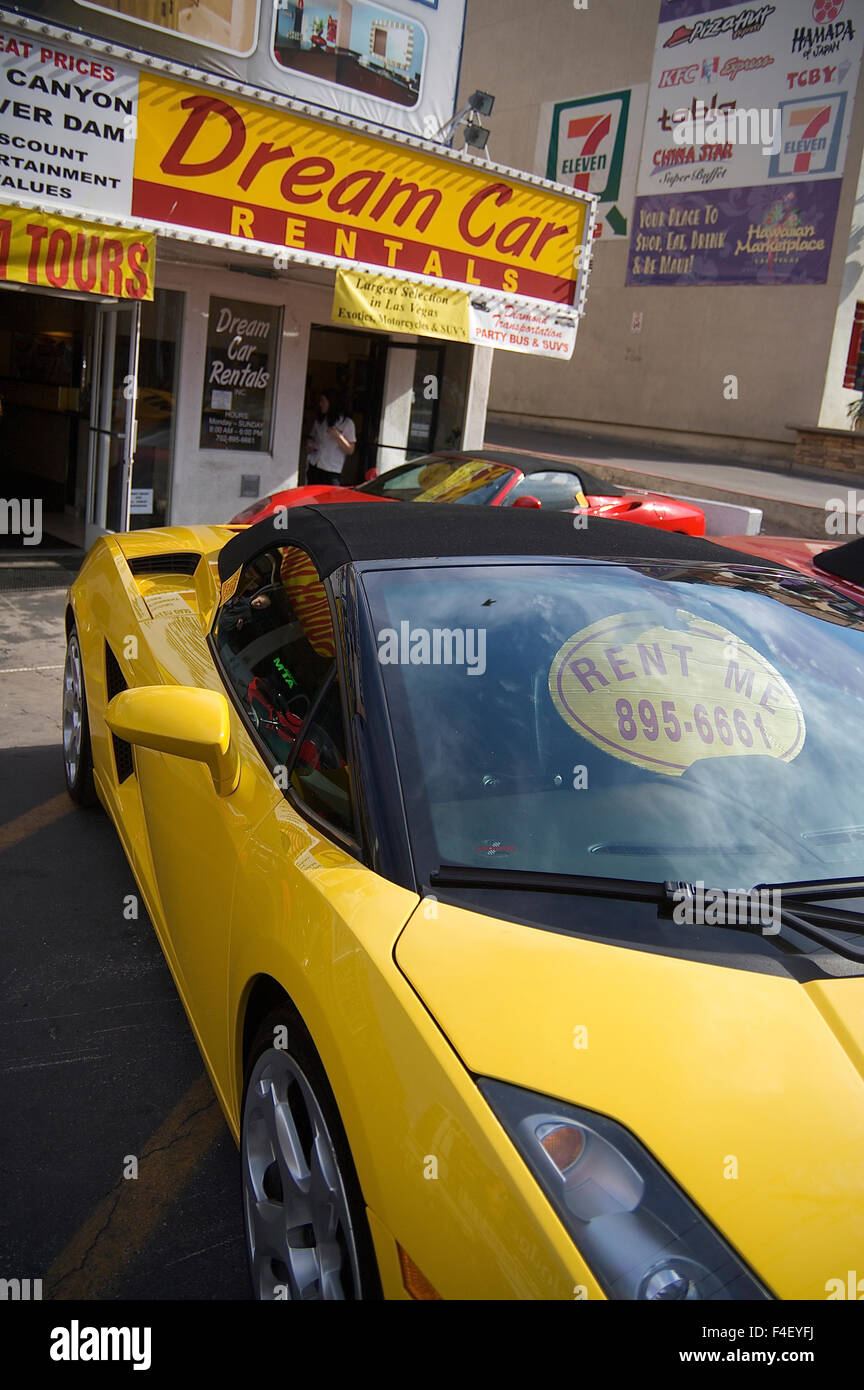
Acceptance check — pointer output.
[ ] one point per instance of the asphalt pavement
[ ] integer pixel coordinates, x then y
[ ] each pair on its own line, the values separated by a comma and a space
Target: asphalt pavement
100, 1076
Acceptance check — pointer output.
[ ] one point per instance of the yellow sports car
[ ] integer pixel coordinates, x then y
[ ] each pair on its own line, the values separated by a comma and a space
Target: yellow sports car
508, 868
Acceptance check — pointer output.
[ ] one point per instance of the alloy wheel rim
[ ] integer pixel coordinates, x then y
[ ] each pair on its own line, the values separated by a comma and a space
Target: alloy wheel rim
298, 1225
73, 709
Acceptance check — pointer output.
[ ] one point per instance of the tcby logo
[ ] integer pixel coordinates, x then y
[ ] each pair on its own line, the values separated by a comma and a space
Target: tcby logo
810, 136
814, 77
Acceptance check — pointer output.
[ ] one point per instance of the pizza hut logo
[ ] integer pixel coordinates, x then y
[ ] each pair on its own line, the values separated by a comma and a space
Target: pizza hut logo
738, 26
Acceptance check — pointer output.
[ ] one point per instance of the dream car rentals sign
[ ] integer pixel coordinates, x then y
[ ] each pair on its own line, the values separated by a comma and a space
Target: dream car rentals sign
231, 167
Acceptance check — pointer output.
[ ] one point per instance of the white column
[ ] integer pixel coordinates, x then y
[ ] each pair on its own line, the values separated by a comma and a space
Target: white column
396, 408
477, 398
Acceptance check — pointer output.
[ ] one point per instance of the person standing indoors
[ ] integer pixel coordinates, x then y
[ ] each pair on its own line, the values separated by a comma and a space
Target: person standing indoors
332, 439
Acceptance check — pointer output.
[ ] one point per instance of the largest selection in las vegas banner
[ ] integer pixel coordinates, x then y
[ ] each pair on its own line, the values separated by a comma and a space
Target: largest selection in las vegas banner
720, 211
80, 131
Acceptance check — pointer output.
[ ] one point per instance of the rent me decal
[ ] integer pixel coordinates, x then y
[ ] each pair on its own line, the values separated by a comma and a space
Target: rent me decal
662, 698
276, 177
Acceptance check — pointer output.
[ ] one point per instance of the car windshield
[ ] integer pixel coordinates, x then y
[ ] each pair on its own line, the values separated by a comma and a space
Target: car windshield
642, 721
438, 478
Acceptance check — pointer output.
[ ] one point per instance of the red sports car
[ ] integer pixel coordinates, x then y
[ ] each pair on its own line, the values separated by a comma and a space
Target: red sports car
835, 563
494, 478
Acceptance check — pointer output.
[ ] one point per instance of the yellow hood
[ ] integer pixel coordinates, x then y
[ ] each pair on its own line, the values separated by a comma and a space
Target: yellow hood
748, 1088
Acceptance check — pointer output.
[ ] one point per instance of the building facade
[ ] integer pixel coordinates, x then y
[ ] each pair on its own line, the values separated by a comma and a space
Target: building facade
188, 261
719, 333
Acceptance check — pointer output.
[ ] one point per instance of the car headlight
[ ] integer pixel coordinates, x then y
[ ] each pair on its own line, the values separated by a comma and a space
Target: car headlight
640, 1234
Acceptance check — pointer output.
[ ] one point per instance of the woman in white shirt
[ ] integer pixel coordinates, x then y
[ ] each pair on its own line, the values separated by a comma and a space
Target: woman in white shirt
333, 439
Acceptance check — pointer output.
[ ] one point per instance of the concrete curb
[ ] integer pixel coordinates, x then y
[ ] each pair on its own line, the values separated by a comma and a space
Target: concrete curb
780, 517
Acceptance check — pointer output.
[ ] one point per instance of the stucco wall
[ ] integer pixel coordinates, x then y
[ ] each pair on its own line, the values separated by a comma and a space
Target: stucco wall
667, 380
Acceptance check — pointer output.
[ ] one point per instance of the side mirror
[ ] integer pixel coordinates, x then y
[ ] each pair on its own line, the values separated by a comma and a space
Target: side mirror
527, 500
370, 474
187, 723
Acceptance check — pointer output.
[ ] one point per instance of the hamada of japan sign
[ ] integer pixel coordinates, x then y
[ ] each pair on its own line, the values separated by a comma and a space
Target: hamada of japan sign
225, 165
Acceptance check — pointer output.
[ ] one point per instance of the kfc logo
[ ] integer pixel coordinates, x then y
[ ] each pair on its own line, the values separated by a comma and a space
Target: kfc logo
675, 77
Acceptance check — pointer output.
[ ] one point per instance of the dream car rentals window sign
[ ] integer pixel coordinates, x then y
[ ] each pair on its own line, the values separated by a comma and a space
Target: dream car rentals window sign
229, 166
749, 196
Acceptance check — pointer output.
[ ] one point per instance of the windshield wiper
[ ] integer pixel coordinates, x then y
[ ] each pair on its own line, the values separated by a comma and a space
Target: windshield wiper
466, 876
746, 916
811, 890
738, 916
809, 895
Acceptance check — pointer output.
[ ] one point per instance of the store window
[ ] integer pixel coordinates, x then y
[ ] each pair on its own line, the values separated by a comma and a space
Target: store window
44, 359
854, 375
240, 375
158, 375
438, 400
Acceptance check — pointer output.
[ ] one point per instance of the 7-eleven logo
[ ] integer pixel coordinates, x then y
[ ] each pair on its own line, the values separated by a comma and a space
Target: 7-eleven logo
809, 136
586, 150
589, 132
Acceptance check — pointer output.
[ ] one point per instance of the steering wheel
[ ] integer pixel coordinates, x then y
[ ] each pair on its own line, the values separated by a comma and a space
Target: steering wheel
329, 757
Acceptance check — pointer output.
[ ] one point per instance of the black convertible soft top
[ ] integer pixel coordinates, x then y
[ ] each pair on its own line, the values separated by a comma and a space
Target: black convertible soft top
844, 561
345, 531
592, 486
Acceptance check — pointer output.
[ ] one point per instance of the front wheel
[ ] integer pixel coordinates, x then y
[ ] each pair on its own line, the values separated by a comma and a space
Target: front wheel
307, 1237
77, 753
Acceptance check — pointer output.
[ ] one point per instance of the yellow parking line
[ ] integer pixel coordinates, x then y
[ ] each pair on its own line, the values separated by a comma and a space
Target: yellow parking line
120, 1225
18, 670
14, 831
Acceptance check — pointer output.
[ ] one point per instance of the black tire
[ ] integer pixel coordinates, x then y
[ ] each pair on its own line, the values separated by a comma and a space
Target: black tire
77, 750
351, 1242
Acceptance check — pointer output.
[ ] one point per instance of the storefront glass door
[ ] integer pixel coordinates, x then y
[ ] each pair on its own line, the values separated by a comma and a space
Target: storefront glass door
112, 419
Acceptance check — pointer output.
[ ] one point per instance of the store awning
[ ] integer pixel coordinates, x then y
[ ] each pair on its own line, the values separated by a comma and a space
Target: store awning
207, 159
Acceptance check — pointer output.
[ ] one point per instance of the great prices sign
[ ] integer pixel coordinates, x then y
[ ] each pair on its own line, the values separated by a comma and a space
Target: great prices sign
239, 169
